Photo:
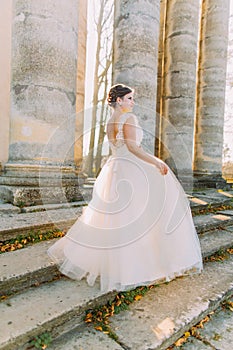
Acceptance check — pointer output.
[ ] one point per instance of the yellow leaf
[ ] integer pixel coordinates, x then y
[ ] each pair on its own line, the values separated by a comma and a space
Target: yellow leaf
138, 297
99, 328
88, 320
187, 334
179, 342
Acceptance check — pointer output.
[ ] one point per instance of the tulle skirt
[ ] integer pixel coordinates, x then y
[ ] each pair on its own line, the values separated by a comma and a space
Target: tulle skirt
136, 230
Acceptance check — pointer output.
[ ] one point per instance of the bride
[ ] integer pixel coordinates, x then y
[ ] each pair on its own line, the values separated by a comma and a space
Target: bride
138, 228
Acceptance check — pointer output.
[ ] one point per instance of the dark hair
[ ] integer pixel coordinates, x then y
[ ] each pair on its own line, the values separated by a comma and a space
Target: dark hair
118, 90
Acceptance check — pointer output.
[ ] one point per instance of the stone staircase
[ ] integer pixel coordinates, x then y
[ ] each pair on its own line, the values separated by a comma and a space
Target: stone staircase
37, 299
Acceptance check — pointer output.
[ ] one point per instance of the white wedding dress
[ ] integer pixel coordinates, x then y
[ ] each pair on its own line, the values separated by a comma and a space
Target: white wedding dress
136, 230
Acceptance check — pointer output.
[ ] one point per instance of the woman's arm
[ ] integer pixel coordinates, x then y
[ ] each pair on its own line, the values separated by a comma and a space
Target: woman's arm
129, 130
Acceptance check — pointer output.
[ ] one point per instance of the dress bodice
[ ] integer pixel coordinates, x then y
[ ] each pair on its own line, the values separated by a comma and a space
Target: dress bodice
120, 141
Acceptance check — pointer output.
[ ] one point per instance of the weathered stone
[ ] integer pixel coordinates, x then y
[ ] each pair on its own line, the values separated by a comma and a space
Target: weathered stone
215, 240
208, 222
44, 221
45, 207
62, 308
211, 87
5, 74
8, 209
179, 85
26, 267
87, 339
165, 313
56, 307
194, 344
43, 110
26, 185
44, 52
216, 334
228, 127
26, 196
136, 32
80, 84
208, 180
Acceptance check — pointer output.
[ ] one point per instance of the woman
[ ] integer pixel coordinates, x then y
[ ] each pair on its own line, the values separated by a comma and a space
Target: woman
137, 228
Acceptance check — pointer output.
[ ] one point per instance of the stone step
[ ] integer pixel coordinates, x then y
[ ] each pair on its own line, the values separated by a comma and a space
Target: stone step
63, 217
59, 306
26, 267
209, 198
86, 339
55, 307
218, 220
216, 333
153, 323
163, 315
6, 208
16, 224
53, 206
32, 266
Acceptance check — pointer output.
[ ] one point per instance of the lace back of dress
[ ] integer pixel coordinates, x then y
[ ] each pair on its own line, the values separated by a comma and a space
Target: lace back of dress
120, 141
120, 135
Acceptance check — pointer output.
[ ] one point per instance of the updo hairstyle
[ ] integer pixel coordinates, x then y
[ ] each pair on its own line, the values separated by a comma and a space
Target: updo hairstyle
118, 90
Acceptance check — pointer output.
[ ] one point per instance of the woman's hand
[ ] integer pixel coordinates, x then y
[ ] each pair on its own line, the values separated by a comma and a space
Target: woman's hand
163, 168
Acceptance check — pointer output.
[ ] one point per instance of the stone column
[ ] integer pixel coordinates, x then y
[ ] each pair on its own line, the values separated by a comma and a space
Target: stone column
211, 90
80, 93
5, 73
43, 94
228, 123
136, 32
163, 12
179, 86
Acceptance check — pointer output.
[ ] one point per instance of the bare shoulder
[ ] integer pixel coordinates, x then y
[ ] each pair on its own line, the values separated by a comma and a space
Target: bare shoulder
130, 118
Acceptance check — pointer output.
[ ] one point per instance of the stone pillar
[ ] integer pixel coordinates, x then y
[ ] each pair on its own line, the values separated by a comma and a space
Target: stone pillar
179, 86
43, 95
163, 12
5, 73
211, 91
80, 93
228, 123
135, 56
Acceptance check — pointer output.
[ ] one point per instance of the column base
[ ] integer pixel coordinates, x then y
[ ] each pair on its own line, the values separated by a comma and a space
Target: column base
210, 181
193, 181
27, 185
